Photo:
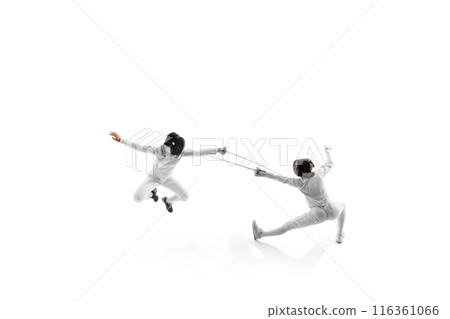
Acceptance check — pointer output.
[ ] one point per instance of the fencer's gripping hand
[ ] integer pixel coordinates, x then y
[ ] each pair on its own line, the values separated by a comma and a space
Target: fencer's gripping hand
327, 148
115, 136
259, 172
222, 150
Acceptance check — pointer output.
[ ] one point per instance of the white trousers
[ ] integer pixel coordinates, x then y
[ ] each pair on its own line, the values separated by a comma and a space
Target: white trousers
144, 191
315, 216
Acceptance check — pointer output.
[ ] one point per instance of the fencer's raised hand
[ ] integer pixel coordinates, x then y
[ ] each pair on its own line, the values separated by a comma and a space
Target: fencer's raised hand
327, 148
222, 150
115, 136
259, 172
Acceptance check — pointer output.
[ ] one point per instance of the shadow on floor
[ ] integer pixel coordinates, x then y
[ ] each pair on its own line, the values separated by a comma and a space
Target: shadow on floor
259, 254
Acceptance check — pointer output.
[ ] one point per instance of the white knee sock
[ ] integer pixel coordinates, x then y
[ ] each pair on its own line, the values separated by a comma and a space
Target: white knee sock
274, 232
341, 221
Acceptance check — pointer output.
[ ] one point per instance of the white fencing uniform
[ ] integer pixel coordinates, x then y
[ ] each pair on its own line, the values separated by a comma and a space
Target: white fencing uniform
164, 165
321, 208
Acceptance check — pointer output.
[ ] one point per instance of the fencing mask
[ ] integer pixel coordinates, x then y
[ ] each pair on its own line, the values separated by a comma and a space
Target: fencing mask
175, 142
302, 167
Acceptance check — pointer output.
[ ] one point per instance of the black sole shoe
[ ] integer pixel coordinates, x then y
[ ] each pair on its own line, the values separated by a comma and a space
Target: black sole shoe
168, 205
155, 195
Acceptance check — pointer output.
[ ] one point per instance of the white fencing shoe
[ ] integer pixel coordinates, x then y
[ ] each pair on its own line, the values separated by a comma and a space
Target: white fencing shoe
340, 238
256, 231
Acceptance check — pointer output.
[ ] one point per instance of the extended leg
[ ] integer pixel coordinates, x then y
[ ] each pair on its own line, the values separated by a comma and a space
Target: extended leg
313, 217
274, 232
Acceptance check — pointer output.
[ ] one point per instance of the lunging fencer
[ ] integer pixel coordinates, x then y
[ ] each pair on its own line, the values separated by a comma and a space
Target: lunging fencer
311, 184
167, 157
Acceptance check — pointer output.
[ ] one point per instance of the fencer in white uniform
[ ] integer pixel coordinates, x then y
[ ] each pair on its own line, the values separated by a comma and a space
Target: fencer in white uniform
167, 157
311, 184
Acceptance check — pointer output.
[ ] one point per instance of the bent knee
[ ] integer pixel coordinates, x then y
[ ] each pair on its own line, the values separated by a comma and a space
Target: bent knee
184, 196
138, 197
336, 211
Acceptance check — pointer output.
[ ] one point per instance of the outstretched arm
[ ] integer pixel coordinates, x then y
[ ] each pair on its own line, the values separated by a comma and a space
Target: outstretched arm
207, 151
324, 169
142, 148
296, 182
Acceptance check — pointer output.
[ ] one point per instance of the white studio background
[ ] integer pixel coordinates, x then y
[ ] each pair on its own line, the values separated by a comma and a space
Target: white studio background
369, 79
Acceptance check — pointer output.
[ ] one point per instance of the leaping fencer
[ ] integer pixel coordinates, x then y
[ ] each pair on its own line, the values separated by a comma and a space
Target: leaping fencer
311, 184
167, 157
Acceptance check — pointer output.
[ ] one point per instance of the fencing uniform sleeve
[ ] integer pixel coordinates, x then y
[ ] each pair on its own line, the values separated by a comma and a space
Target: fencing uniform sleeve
324, 169
142, 148
296, 182
207, 151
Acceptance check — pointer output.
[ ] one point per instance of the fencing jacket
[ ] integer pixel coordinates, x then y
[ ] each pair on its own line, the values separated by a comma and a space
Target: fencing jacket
312, 187
165, 161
